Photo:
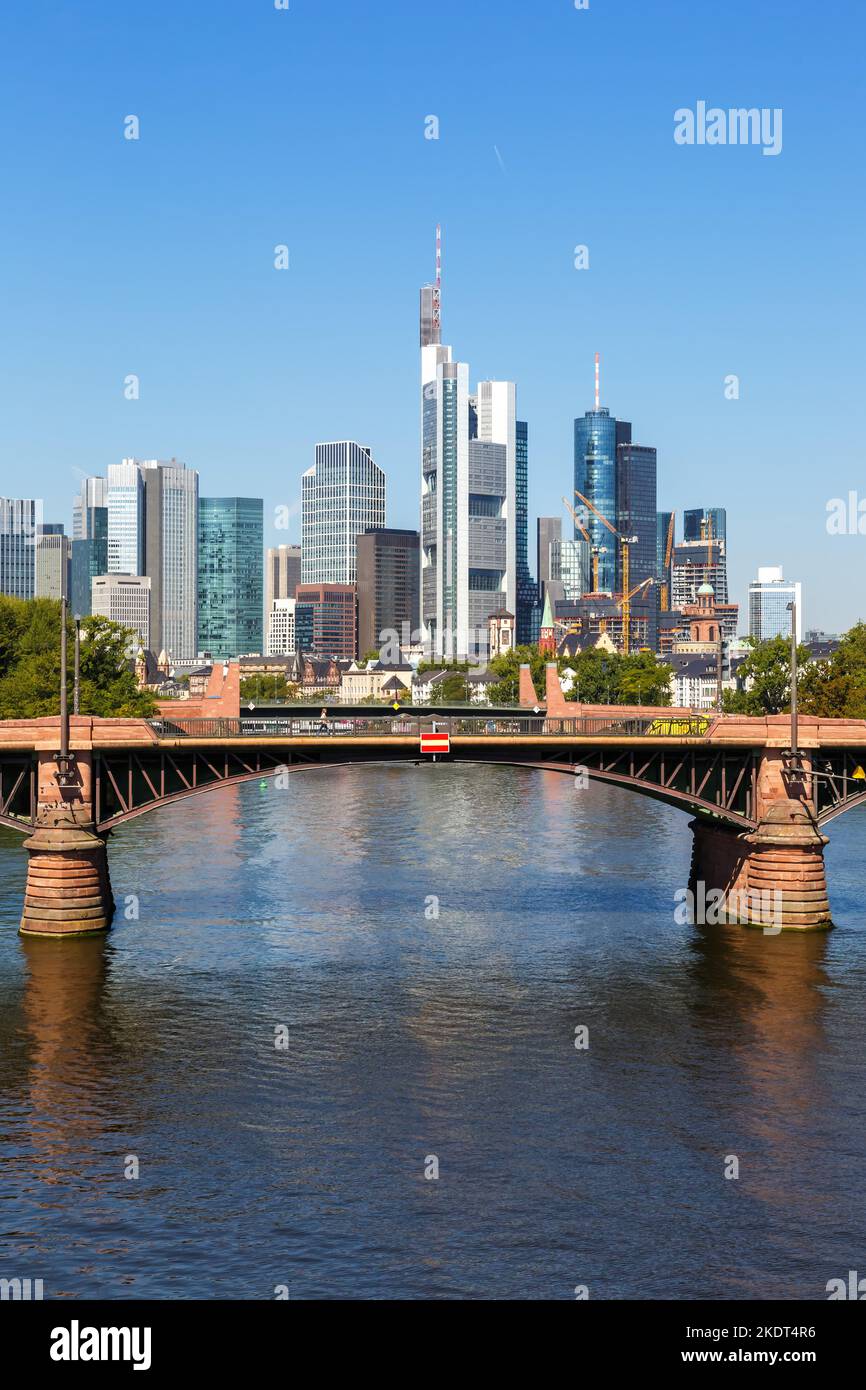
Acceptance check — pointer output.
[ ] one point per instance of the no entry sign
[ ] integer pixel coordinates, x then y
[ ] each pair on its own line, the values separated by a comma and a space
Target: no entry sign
435, 742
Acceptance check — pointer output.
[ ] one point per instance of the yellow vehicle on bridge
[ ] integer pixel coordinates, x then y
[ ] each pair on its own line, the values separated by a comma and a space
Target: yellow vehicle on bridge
681, 726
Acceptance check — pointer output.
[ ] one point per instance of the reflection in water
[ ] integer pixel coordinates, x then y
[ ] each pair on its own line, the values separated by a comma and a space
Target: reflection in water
431, 937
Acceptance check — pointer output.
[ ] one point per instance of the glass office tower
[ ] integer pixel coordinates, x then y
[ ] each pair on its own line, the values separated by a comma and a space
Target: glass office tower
89, 558
596, 436
230, 576
526, 590
695, 523
342, 496
20, 525
636, 516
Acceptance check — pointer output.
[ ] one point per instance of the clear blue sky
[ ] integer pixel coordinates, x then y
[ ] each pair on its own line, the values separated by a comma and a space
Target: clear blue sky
306, 127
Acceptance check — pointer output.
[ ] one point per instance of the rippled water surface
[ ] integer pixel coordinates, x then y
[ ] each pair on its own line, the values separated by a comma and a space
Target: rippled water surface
413, 1035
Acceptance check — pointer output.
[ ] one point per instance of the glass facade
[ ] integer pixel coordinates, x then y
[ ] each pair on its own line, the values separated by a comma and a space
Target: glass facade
595, 441
636, 516
89, 558
230, 576
342, 496
526, 590
769, 596
20, 520
695, 523
125, 502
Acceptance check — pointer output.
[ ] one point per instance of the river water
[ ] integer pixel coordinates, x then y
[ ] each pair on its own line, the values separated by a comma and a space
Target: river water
425, 941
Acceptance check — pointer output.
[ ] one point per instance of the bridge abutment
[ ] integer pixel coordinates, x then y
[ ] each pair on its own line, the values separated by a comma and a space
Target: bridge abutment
772, 877
68, 891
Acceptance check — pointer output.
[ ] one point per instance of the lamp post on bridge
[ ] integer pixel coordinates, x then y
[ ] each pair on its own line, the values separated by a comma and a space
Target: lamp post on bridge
792, 609
76, 684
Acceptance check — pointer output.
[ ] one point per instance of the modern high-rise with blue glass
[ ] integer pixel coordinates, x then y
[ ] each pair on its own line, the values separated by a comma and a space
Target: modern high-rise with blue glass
619, 479
230, 576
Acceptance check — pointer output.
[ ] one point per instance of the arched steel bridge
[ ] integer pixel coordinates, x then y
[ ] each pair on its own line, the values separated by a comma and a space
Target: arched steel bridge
707, 768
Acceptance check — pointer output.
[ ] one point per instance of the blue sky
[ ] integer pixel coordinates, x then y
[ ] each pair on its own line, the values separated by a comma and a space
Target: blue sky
306, 127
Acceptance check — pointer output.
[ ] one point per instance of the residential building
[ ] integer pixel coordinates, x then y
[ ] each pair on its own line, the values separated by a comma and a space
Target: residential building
125, 599
342, 495
694, 563
360, 684
388, 584
769, 596
334, 619
230, 537
281, 628
20, 524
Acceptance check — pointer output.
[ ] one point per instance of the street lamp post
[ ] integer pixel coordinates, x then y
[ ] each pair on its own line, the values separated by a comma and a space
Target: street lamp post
792, 608
76, 684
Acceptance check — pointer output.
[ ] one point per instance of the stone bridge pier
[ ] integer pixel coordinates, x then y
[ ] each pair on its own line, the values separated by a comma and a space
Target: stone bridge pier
772, 877
68, 890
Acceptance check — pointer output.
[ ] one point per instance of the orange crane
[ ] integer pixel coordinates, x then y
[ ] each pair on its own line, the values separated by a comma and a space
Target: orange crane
666, 585
595, 550
625, 542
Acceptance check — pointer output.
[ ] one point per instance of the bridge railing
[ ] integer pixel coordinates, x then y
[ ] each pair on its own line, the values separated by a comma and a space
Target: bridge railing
411, 725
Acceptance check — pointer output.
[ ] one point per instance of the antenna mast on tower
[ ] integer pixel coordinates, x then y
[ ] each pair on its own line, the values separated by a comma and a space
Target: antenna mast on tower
596, 382
437, 291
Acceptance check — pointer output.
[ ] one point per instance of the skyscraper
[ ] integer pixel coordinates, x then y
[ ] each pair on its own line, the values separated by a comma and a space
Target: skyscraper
334, 627
230, 537
525, 584
387, 587
89, 558
469, 496
697, 522
125, 599
20, 521
52, 565
282, 573
125, 502
548, 530
769, 596
342, 495
93, 496
171, 556
619, 478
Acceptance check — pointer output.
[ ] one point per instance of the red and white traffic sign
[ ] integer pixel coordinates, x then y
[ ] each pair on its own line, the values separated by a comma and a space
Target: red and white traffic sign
435, 742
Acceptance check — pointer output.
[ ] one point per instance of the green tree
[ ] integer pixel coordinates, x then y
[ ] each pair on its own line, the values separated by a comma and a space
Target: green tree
835, 687
30, 664
274, 687
767, 669
451, 691
506, 689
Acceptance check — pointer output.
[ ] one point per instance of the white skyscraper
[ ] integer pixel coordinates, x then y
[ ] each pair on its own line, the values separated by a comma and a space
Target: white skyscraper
153, 530
769, 596
342, 495
468, 497
125, 503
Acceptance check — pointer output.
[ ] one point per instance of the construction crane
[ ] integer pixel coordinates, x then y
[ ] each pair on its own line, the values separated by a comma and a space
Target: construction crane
666, 587
595, 550
624, 542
